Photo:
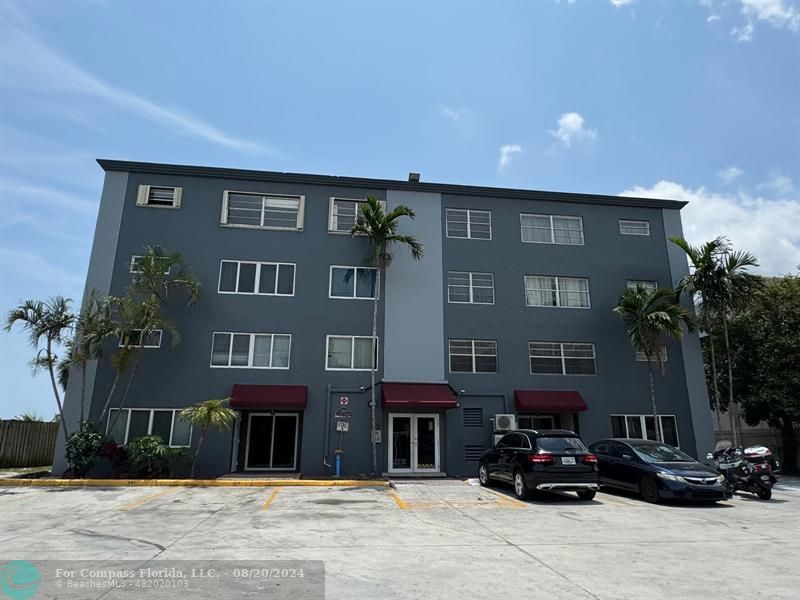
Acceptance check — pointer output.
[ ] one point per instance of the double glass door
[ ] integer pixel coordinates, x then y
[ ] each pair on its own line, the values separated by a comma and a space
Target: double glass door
271, 442
413, 443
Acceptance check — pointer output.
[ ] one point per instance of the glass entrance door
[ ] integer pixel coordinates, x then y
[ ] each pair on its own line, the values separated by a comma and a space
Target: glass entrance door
271, 442
413, 443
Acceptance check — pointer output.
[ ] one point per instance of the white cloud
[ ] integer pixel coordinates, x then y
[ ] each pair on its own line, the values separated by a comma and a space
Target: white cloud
453, 114
744, 33
28, 64
570, 128
770, 228
779, 184
775, 12
728, 174
33, 267
506, 152
619, 3
712, 18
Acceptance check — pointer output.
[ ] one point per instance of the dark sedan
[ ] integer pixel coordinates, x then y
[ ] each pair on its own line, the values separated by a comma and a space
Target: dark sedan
531, 460
657, 471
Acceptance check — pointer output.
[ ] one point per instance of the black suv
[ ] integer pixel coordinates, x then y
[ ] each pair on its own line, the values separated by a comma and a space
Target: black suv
556, 460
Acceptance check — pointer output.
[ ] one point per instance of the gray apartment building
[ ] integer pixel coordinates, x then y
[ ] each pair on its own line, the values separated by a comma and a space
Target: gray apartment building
506, 321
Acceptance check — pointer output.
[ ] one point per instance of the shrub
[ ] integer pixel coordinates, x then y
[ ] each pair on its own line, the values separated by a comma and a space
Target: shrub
116, 454
81, 449
148, 457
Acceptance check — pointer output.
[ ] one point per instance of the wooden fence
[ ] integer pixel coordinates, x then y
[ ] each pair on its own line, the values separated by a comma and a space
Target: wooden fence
27, 443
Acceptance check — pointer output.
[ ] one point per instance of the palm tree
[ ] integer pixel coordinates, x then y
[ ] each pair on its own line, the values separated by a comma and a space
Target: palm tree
29, 417
703, 286
51, 320
380, 229
205, 415
650, 317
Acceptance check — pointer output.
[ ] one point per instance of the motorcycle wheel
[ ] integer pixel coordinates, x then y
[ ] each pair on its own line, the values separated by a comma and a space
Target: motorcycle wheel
764, 493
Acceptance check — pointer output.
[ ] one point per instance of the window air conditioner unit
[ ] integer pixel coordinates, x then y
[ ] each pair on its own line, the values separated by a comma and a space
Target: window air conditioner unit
505, 422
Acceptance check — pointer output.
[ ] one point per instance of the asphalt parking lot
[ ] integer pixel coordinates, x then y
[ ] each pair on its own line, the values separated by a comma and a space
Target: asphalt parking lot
436, 539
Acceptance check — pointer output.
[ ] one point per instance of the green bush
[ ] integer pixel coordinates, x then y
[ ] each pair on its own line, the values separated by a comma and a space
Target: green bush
81, 449
148, 457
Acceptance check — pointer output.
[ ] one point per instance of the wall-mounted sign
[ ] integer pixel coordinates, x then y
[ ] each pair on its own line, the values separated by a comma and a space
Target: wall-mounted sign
344, 413
344, 400
343, 426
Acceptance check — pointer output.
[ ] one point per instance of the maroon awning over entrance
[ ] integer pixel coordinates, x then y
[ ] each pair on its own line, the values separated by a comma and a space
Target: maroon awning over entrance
269, 396
549, 401
418, 395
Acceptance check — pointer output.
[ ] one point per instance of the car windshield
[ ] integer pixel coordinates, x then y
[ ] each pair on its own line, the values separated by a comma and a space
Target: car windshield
561, 444
656, 453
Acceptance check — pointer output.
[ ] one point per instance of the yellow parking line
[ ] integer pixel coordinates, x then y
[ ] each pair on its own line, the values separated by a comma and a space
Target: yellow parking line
615, 500
146, 499
505, 500
401, 504
270, 499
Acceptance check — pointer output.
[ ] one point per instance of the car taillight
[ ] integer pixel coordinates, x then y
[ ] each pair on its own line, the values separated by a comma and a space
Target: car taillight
590, 459
542, 459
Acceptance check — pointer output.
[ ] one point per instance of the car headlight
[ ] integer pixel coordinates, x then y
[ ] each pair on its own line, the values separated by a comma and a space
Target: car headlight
671, 477
720, 478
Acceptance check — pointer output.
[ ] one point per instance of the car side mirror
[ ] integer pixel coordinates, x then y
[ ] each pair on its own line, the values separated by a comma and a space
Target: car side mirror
710, 456
627, 457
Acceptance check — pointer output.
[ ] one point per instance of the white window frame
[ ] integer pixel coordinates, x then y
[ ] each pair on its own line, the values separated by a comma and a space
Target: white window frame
643, 425
563, 359
250, 351
630, 224
474, 370
155, 331
136, 271
469, 212
558, 292
143, 196
358, 201
355, 282
648, 284
552, 229
352, 351
472, 287
640, 356
264, 196
175, 412
259, 265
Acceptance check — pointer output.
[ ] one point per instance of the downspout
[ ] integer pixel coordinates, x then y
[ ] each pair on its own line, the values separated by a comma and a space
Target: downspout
327, 426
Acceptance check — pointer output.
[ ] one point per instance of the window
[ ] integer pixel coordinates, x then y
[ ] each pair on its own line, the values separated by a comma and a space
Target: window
250, 350
351, 353
470, 288
344, 213
136, 263
643, 427
551, 229
470, 224
266, 279
262, 211
640, 356
562, 292
151, 340
352, 282
650, 286
159, 196
133, 423
561, 358
627, 227
473, 356
536, 422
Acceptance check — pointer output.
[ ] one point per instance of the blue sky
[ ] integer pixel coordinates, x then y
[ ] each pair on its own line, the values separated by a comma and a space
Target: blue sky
688, 100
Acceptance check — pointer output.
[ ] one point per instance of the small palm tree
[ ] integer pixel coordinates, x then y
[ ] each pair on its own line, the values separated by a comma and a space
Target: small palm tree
50, 320
205, 415
650, 317
380, 229
29, 417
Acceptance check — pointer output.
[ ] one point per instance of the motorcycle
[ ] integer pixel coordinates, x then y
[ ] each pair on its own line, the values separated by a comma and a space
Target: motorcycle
751, 469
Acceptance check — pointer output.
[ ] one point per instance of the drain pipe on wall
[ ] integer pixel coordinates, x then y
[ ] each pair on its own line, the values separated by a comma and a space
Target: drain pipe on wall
327, 426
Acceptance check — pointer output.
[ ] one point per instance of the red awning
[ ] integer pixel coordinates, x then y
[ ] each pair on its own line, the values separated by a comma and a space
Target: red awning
269, 396
418, 395
548, 401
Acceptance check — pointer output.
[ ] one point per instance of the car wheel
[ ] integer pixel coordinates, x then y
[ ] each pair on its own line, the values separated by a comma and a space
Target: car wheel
483, 475
520, 487
587, 494
648, 488
764, 493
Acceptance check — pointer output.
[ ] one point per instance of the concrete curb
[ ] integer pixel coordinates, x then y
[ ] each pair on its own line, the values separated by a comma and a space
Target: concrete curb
193, 483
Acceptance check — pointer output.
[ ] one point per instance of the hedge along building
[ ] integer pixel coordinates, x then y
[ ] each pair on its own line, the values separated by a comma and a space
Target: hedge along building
506, 319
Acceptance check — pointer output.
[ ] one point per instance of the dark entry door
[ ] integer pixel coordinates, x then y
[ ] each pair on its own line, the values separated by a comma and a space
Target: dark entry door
271, 442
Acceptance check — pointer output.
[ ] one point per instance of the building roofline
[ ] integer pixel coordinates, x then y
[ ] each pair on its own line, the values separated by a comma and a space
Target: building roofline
364, 182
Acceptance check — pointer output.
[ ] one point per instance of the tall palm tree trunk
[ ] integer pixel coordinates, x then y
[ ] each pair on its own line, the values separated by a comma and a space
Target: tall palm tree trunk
374, 361
200, 440
715, 384
109, 397
55, 386
732, 407
659, 437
